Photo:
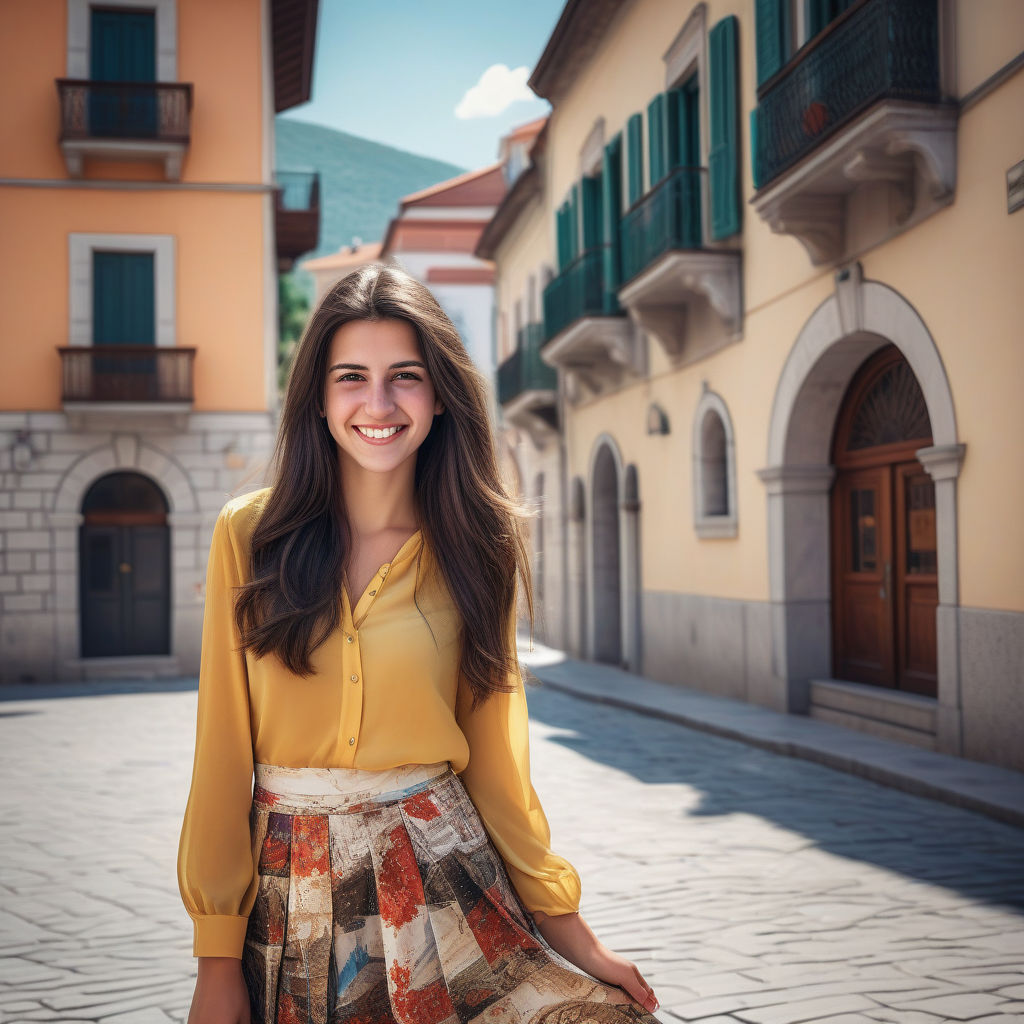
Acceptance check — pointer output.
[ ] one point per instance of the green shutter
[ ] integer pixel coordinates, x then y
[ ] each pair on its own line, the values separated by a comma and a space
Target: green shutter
772, 28
656, 138
817, 14
673, 151
755, 156
561, 236
723, 159
683, 128
122, 46
591, 212
123, 298
611, 202
635, 144
574, 222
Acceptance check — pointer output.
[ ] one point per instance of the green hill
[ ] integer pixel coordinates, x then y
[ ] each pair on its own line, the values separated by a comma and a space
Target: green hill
360, 181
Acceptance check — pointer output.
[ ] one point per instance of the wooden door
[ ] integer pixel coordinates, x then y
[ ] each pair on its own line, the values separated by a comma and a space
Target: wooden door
884, 558
917, 584
124, 566
125, 590
862, 568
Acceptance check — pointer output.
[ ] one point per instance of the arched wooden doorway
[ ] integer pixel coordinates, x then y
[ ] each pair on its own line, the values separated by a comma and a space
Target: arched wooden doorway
884, 556
124, 567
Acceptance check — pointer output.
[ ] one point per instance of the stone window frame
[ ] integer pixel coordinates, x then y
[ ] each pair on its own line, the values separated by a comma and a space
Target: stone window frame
81, 246
725, 524
166, 31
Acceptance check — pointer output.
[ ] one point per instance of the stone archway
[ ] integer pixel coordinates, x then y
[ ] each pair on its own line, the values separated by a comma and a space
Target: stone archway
604, 550
856, 321
185, 520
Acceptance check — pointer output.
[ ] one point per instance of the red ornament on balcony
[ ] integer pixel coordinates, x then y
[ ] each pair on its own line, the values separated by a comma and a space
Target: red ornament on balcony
814, 118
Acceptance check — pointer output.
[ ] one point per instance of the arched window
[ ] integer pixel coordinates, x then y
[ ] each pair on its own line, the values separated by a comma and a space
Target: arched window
714, 469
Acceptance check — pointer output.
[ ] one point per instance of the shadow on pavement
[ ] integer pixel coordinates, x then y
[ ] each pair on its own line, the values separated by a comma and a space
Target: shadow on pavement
844, 814
76, 688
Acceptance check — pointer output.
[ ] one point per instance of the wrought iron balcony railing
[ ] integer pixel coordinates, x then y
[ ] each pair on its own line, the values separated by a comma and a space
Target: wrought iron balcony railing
666, 218
126, 373
878, 49
297, 214
524, 370
158, 111
578, 291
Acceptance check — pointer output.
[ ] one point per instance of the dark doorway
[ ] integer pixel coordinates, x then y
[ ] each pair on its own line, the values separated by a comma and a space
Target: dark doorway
606, 586
124, 560
884, 558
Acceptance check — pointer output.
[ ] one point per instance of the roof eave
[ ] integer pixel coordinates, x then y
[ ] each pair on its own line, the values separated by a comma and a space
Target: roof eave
579, 29
526, 187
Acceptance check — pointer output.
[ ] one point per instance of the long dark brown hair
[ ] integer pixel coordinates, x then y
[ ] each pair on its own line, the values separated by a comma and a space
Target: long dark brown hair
470, 523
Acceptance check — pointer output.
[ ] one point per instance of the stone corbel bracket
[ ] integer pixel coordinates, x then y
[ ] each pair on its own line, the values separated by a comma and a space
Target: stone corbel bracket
597, 354
658, 300
908, 146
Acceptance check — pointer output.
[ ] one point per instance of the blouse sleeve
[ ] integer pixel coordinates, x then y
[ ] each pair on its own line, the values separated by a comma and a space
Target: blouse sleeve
497, 779
216, 873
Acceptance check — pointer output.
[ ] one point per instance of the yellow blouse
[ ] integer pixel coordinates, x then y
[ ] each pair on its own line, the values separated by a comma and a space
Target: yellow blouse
382, 694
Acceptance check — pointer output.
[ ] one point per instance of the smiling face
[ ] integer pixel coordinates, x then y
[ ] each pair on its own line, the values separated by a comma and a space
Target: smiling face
379, 401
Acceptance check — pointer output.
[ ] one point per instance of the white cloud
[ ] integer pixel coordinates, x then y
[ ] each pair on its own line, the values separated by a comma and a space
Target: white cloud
499, 87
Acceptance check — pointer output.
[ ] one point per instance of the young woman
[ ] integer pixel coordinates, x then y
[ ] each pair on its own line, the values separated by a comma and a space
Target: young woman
392, 861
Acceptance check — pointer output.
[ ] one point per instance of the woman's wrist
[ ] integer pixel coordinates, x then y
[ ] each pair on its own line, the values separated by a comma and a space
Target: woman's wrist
219, 964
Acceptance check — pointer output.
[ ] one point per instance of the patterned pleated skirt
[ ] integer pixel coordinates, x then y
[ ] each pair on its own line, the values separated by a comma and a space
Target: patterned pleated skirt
382, 898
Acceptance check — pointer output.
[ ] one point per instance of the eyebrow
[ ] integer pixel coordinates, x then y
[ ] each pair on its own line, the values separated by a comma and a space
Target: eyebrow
393, 366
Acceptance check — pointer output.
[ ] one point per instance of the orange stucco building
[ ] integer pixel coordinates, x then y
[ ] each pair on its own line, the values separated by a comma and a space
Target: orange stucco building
144, 227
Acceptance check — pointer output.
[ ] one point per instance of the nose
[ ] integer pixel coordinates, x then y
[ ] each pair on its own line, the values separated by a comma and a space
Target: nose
379, 402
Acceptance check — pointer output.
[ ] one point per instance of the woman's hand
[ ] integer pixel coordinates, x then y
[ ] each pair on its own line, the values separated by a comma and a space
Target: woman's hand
571, 936
221, 996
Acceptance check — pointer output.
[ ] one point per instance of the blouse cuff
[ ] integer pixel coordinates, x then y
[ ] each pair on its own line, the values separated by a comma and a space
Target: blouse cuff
218, 935
552, 898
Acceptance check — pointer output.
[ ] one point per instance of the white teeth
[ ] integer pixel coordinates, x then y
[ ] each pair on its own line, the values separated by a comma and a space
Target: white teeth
387, 432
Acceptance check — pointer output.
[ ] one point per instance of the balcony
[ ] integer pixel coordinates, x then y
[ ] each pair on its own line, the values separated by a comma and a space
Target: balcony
103, 382
665, 270
594, 345
854, 140
296, 215
124, 121
528, 387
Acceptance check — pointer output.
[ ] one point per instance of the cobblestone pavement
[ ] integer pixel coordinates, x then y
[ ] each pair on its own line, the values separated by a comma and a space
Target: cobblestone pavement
747, 886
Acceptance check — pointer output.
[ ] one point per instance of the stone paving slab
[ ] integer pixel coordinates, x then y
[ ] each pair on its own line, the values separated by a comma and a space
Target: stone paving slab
987, 789
749, 888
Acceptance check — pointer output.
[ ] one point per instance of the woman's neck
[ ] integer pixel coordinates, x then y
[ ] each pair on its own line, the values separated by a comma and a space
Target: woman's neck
376, 502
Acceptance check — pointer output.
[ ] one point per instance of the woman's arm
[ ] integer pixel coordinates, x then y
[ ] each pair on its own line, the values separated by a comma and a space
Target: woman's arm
570, 935
216, 874
220, 996
497, 779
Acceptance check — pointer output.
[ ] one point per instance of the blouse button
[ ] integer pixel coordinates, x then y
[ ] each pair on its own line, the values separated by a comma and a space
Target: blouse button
351, 740
354, 678
372, 592
349, 638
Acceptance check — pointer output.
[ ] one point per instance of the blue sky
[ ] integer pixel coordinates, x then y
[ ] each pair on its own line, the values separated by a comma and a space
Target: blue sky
396, 71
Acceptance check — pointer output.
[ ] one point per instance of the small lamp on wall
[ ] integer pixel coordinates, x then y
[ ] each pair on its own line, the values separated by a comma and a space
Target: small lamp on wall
657, 419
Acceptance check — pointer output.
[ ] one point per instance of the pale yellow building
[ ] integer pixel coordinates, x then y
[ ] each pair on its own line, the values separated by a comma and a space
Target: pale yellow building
759, 321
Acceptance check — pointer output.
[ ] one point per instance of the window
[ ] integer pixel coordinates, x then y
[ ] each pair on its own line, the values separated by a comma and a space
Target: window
783, 26
121, 289
141, 20
714, 469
